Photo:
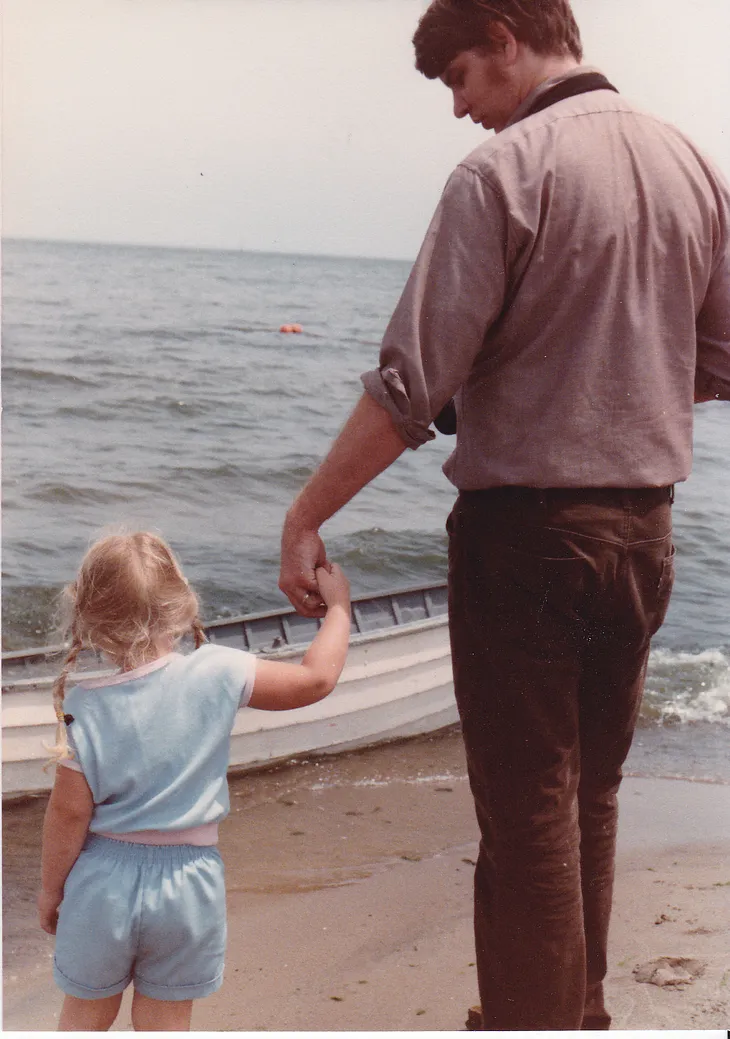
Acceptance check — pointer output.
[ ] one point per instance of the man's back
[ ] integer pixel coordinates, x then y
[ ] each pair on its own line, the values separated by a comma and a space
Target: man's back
592, 231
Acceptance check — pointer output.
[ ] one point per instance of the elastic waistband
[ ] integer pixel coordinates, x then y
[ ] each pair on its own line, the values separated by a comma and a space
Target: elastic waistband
201, 836
126, 851
620, 496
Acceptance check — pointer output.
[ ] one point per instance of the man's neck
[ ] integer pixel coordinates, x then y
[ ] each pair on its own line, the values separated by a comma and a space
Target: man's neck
544, 67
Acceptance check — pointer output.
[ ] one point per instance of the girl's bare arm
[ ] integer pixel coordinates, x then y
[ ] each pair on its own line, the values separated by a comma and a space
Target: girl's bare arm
65, 826
280, 686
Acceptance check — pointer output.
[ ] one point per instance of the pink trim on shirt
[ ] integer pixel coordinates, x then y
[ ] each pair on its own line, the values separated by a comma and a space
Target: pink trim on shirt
203, 835
126, 676
71, 763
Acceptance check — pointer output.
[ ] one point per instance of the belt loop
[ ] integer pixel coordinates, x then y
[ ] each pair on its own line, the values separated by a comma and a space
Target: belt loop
671, 494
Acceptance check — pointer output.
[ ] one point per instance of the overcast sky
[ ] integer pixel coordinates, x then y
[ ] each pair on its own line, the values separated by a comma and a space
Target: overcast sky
284, 125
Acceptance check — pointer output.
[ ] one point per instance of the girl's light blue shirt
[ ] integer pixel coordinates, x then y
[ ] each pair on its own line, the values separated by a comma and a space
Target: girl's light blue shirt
153, 744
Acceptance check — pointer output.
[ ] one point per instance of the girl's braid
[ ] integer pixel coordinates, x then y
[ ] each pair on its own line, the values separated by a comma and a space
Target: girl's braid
198, 633
59, 691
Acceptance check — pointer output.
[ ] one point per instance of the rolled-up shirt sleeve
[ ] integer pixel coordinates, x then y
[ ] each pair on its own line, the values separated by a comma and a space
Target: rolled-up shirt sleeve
455, 292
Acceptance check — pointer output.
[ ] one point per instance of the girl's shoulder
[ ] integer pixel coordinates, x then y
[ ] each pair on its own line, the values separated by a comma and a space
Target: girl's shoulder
216, 658
229, 671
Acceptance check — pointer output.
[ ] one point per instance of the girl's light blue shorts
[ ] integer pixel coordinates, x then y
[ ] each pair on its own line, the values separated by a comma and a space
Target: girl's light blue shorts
149, 914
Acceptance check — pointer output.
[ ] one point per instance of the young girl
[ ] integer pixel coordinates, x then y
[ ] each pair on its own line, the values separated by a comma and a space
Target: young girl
132, 882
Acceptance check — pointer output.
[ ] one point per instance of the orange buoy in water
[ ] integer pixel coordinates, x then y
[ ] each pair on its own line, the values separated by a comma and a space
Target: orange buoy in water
286, 328
296, 328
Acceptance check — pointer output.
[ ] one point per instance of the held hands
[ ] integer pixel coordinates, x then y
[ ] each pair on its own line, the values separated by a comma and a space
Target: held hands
334, 588
48, 911
307, 578
302, 551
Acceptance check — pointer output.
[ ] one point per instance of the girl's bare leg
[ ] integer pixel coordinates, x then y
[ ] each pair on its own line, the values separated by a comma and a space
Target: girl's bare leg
89, 1015
161, 1015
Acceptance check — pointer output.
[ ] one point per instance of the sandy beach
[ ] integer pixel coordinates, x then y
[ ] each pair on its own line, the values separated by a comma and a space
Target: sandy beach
349, 889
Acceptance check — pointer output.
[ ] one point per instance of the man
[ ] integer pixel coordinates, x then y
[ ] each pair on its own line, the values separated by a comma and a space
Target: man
573, 295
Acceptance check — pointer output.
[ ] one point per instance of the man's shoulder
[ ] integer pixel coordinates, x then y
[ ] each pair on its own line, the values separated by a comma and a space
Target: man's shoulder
481, 159
529, 135
531, 147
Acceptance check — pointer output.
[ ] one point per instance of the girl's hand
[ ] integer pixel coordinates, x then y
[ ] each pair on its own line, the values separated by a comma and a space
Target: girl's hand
333, 586
48, 911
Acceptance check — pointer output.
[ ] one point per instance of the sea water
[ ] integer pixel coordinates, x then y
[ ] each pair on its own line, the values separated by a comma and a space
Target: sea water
152, 388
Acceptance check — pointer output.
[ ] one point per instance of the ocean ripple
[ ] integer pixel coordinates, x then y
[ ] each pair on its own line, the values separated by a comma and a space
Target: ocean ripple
67, 494
43, 376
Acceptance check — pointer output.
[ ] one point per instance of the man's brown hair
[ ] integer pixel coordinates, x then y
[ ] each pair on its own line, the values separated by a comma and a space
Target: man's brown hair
449, 27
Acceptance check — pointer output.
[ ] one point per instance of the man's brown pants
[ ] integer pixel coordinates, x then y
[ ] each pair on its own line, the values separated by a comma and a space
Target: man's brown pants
553, 598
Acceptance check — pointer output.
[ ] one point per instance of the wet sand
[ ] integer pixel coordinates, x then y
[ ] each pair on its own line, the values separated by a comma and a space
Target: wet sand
349, 891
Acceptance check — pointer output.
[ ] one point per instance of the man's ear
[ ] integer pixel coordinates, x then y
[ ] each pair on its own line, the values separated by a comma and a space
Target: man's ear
502, 42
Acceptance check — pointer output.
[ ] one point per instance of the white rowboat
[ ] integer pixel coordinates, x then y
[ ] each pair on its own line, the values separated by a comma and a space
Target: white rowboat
397, 683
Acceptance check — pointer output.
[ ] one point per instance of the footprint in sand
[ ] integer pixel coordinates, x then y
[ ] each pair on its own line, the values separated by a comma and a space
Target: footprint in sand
670, 970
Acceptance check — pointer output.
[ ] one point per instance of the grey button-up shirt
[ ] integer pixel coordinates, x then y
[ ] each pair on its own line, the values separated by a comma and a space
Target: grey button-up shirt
571, 292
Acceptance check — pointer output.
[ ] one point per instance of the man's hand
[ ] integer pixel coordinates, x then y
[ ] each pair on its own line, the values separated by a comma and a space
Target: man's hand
302, 551
48, 911
367, 444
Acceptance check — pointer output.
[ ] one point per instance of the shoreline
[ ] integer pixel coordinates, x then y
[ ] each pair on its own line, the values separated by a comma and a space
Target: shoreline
349, 893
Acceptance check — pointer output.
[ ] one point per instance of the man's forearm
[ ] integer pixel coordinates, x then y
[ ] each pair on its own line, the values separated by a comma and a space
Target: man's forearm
368, 443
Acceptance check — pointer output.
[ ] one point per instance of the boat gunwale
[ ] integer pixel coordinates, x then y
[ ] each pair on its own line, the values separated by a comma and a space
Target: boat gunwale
24, 683
44, 652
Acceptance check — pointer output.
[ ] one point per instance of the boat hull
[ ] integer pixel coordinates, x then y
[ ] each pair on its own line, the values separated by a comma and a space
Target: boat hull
396, 683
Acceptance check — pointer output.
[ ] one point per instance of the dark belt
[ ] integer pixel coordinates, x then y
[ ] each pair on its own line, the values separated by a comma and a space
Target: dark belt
556, 495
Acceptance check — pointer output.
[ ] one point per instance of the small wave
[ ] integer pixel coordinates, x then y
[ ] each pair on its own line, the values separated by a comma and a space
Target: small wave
248, 328
391, 781
708, 705
688, 687
269, 484
81, 411
193, 474
226, 333
173, 335
393, 556
279, 392
43, 376
187, 407
161, 407
291, 477
670, 657
65, 494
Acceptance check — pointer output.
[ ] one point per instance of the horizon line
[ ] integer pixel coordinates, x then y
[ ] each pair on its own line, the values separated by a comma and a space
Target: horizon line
203, 248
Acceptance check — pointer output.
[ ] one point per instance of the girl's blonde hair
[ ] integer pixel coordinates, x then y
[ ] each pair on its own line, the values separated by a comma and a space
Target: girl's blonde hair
129, 600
